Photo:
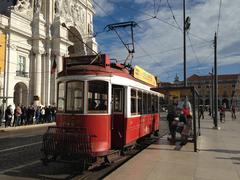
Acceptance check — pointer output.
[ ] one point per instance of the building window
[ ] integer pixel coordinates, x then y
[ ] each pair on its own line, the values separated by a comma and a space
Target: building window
75, 96
97, 96
233, 85
21, 67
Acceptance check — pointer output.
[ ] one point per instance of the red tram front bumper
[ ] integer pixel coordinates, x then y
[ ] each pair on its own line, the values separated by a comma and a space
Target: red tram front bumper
67, 141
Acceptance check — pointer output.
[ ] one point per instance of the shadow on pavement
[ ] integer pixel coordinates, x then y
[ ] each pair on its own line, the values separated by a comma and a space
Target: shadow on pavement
222, 151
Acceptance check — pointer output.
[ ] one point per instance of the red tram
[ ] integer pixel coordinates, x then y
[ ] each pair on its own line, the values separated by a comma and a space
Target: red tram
105, 103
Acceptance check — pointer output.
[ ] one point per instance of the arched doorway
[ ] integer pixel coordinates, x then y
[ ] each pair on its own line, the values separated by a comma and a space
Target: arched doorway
78, 48
20, 94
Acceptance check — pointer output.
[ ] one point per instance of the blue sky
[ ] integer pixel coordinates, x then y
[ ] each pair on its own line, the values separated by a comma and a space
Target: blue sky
159, 41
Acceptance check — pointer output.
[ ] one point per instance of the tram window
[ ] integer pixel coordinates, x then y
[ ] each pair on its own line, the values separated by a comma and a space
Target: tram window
97, 96
118, 100
133, 101
61, 99
140, 99
155, 104
75, 96
149, 104
145, 103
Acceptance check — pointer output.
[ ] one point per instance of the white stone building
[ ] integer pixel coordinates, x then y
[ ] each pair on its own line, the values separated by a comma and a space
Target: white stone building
34, 38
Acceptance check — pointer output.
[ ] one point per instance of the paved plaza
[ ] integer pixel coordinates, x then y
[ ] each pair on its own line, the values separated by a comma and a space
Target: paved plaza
218, 157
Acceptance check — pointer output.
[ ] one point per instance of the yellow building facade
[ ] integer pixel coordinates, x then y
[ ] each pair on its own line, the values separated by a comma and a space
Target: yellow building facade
228, 89
2, 51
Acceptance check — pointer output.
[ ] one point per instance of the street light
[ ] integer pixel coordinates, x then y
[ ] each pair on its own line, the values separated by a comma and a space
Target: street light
186, 27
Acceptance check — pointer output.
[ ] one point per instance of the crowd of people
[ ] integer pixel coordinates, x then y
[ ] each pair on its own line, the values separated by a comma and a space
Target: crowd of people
22, 115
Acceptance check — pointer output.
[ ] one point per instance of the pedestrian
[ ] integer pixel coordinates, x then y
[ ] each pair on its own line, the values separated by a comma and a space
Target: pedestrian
172, 114
201, 112
38, 115
17, 116
185, 110
8, 116
24, 115
233, 112
210, 111
222, 114
48, 114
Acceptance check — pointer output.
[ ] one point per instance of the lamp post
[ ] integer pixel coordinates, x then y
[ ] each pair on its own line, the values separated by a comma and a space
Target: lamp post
212, 92
184, 45
186, 27
215, 85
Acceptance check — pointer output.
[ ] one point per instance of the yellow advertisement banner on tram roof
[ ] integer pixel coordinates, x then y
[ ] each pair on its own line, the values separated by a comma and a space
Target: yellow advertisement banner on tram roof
144, 76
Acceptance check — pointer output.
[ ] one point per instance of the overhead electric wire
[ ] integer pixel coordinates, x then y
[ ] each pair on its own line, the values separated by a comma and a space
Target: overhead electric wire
191, 45
173, 49
154, 7
155, 17
169, 6
201, 45
160, 19
219, 15
193, 50
158, 8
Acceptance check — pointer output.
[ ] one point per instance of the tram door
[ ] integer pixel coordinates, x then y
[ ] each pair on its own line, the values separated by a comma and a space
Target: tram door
117, 116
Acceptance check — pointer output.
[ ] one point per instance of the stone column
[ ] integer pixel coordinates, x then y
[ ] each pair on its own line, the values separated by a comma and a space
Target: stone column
47, 78
37, 79
39, 34
43, 85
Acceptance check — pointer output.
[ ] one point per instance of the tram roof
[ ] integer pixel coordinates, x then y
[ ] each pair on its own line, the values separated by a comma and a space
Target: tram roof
100, 65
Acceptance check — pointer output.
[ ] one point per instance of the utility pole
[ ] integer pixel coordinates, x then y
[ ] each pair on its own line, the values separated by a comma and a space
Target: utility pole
212, 108
215, 85
184, 44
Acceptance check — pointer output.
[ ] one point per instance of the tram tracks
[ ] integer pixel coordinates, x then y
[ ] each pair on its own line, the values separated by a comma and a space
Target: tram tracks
102, 172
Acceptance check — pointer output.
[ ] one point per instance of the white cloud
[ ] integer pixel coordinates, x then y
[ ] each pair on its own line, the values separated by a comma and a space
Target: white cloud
154, 38
103, 7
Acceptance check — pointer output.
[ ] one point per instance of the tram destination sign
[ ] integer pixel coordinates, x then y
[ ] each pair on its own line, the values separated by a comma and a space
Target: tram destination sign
144, 76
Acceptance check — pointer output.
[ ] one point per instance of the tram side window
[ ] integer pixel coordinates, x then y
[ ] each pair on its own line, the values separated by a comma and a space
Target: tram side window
75, 96
149, 104
140, 99
97, 96
145, 103
61, 99
155, 104
133, 101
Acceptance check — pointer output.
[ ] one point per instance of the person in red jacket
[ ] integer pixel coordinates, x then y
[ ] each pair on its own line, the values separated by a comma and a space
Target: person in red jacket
186, 110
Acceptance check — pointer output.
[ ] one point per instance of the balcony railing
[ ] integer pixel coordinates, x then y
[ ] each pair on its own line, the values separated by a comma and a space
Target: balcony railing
22, 74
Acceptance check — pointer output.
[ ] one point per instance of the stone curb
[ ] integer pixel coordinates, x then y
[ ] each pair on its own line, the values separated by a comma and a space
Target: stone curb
2, 129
